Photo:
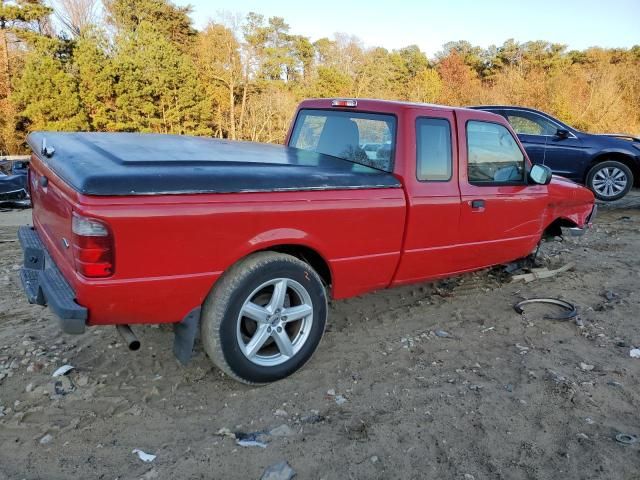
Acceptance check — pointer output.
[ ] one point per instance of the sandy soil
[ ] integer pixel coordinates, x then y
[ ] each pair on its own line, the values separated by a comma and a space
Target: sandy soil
504, 397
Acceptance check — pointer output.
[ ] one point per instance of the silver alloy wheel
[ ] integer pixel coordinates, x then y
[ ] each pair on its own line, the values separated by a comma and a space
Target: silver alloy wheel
609, 181
274, 322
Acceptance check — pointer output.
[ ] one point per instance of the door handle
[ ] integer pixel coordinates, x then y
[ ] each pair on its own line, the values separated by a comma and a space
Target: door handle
477, 204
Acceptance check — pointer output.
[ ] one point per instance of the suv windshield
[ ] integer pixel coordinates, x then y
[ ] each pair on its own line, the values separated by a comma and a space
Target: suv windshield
364, 138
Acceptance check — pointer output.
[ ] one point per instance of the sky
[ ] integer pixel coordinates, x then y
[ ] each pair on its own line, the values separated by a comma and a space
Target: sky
431, 23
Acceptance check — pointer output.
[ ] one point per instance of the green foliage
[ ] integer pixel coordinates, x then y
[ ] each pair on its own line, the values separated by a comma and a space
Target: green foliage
96, 78
21, 26
170, 21
425, 87
330, 82
157, 89
22, 14
47, 95
415, 60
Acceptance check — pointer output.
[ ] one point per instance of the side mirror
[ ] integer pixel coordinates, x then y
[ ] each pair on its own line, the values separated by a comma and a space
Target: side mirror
562, 133
540, 174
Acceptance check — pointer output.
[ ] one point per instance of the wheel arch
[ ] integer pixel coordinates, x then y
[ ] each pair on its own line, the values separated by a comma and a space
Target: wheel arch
622, 157
554, 229
308, 255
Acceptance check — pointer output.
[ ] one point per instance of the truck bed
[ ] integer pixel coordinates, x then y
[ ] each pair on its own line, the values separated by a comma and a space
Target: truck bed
151, 164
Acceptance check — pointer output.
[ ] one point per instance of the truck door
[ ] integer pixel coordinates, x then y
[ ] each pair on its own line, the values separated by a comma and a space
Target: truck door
430, 174
501, 214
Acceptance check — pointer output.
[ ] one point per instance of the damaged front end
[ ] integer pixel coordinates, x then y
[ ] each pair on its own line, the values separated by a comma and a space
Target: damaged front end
579, 231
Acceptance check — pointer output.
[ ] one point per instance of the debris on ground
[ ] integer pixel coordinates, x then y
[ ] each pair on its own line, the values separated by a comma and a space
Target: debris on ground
253, 439
634, 353
279, 471
626, 438
540, 273
145, 457
225, 432
313, 417
570, 309
442, 334
63, 370
586, 367
61, 387
281, 431
340, 400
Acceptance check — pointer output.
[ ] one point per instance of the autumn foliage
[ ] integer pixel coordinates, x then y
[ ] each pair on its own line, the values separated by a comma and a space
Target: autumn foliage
141, 66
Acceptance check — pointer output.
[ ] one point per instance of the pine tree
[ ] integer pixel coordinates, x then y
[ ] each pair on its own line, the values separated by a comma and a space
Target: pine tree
96, 79
46, 95
157, 89
20, 20
168, 20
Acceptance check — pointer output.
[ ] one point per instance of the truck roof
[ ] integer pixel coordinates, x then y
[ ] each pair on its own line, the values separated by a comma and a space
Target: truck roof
378, 105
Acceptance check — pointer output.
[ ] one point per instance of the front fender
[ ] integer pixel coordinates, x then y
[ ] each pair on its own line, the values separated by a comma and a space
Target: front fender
570, 202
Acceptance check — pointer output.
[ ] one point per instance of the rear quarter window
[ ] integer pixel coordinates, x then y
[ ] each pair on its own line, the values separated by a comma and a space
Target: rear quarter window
433, 149
358, 137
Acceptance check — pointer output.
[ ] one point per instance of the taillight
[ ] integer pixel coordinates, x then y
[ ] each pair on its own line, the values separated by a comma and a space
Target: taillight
92, 247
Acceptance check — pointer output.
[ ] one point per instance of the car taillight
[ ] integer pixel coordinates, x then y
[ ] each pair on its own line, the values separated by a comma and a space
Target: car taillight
92, 247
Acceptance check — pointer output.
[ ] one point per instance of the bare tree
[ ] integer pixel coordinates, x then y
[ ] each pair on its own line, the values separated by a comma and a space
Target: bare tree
76, 15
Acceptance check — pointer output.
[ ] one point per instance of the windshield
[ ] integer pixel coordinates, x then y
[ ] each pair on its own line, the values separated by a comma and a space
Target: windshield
364, 138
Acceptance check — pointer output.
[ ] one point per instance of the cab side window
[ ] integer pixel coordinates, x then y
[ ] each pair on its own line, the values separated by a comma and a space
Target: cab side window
433, 148
493, 155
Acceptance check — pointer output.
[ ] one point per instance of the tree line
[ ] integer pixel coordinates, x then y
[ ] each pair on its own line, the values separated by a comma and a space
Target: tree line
140, 65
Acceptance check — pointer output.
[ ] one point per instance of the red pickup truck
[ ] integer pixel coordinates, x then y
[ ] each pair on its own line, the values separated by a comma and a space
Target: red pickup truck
247, 241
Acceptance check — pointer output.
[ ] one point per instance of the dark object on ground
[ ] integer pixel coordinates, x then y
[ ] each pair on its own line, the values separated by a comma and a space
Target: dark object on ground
626, 438
571, 311
253, 439
606, 163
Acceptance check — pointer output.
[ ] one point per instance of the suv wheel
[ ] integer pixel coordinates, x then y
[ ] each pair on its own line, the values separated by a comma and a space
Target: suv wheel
264, 318
610, 180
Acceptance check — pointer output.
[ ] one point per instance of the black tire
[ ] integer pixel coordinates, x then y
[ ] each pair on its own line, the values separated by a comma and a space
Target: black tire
222, 307
598, 191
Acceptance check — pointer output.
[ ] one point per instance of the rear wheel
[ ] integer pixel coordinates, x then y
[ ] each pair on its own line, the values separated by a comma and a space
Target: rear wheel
264, 318
610, 180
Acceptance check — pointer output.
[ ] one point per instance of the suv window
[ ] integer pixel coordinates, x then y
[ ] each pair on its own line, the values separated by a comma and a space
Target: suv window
531, 124
433, 147
493, 155
364, 138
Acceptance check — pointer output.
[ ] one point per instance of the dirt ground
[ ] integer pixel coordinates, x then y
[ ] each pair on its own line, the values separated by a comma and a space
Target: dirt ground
502, 397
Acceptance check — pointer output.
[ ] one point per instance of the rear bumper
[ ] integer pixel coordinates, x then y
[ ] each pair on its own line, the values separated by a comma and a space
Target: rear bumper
43, 283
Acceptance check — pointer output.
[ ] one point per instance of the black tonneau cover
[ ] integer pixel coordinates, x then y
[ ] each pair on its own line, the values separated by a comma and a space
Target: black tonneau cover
154, 164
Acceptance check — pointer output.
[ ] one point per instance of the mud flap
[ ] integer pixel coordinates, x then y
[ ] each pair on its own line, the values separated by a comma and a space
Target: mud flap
185, 336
